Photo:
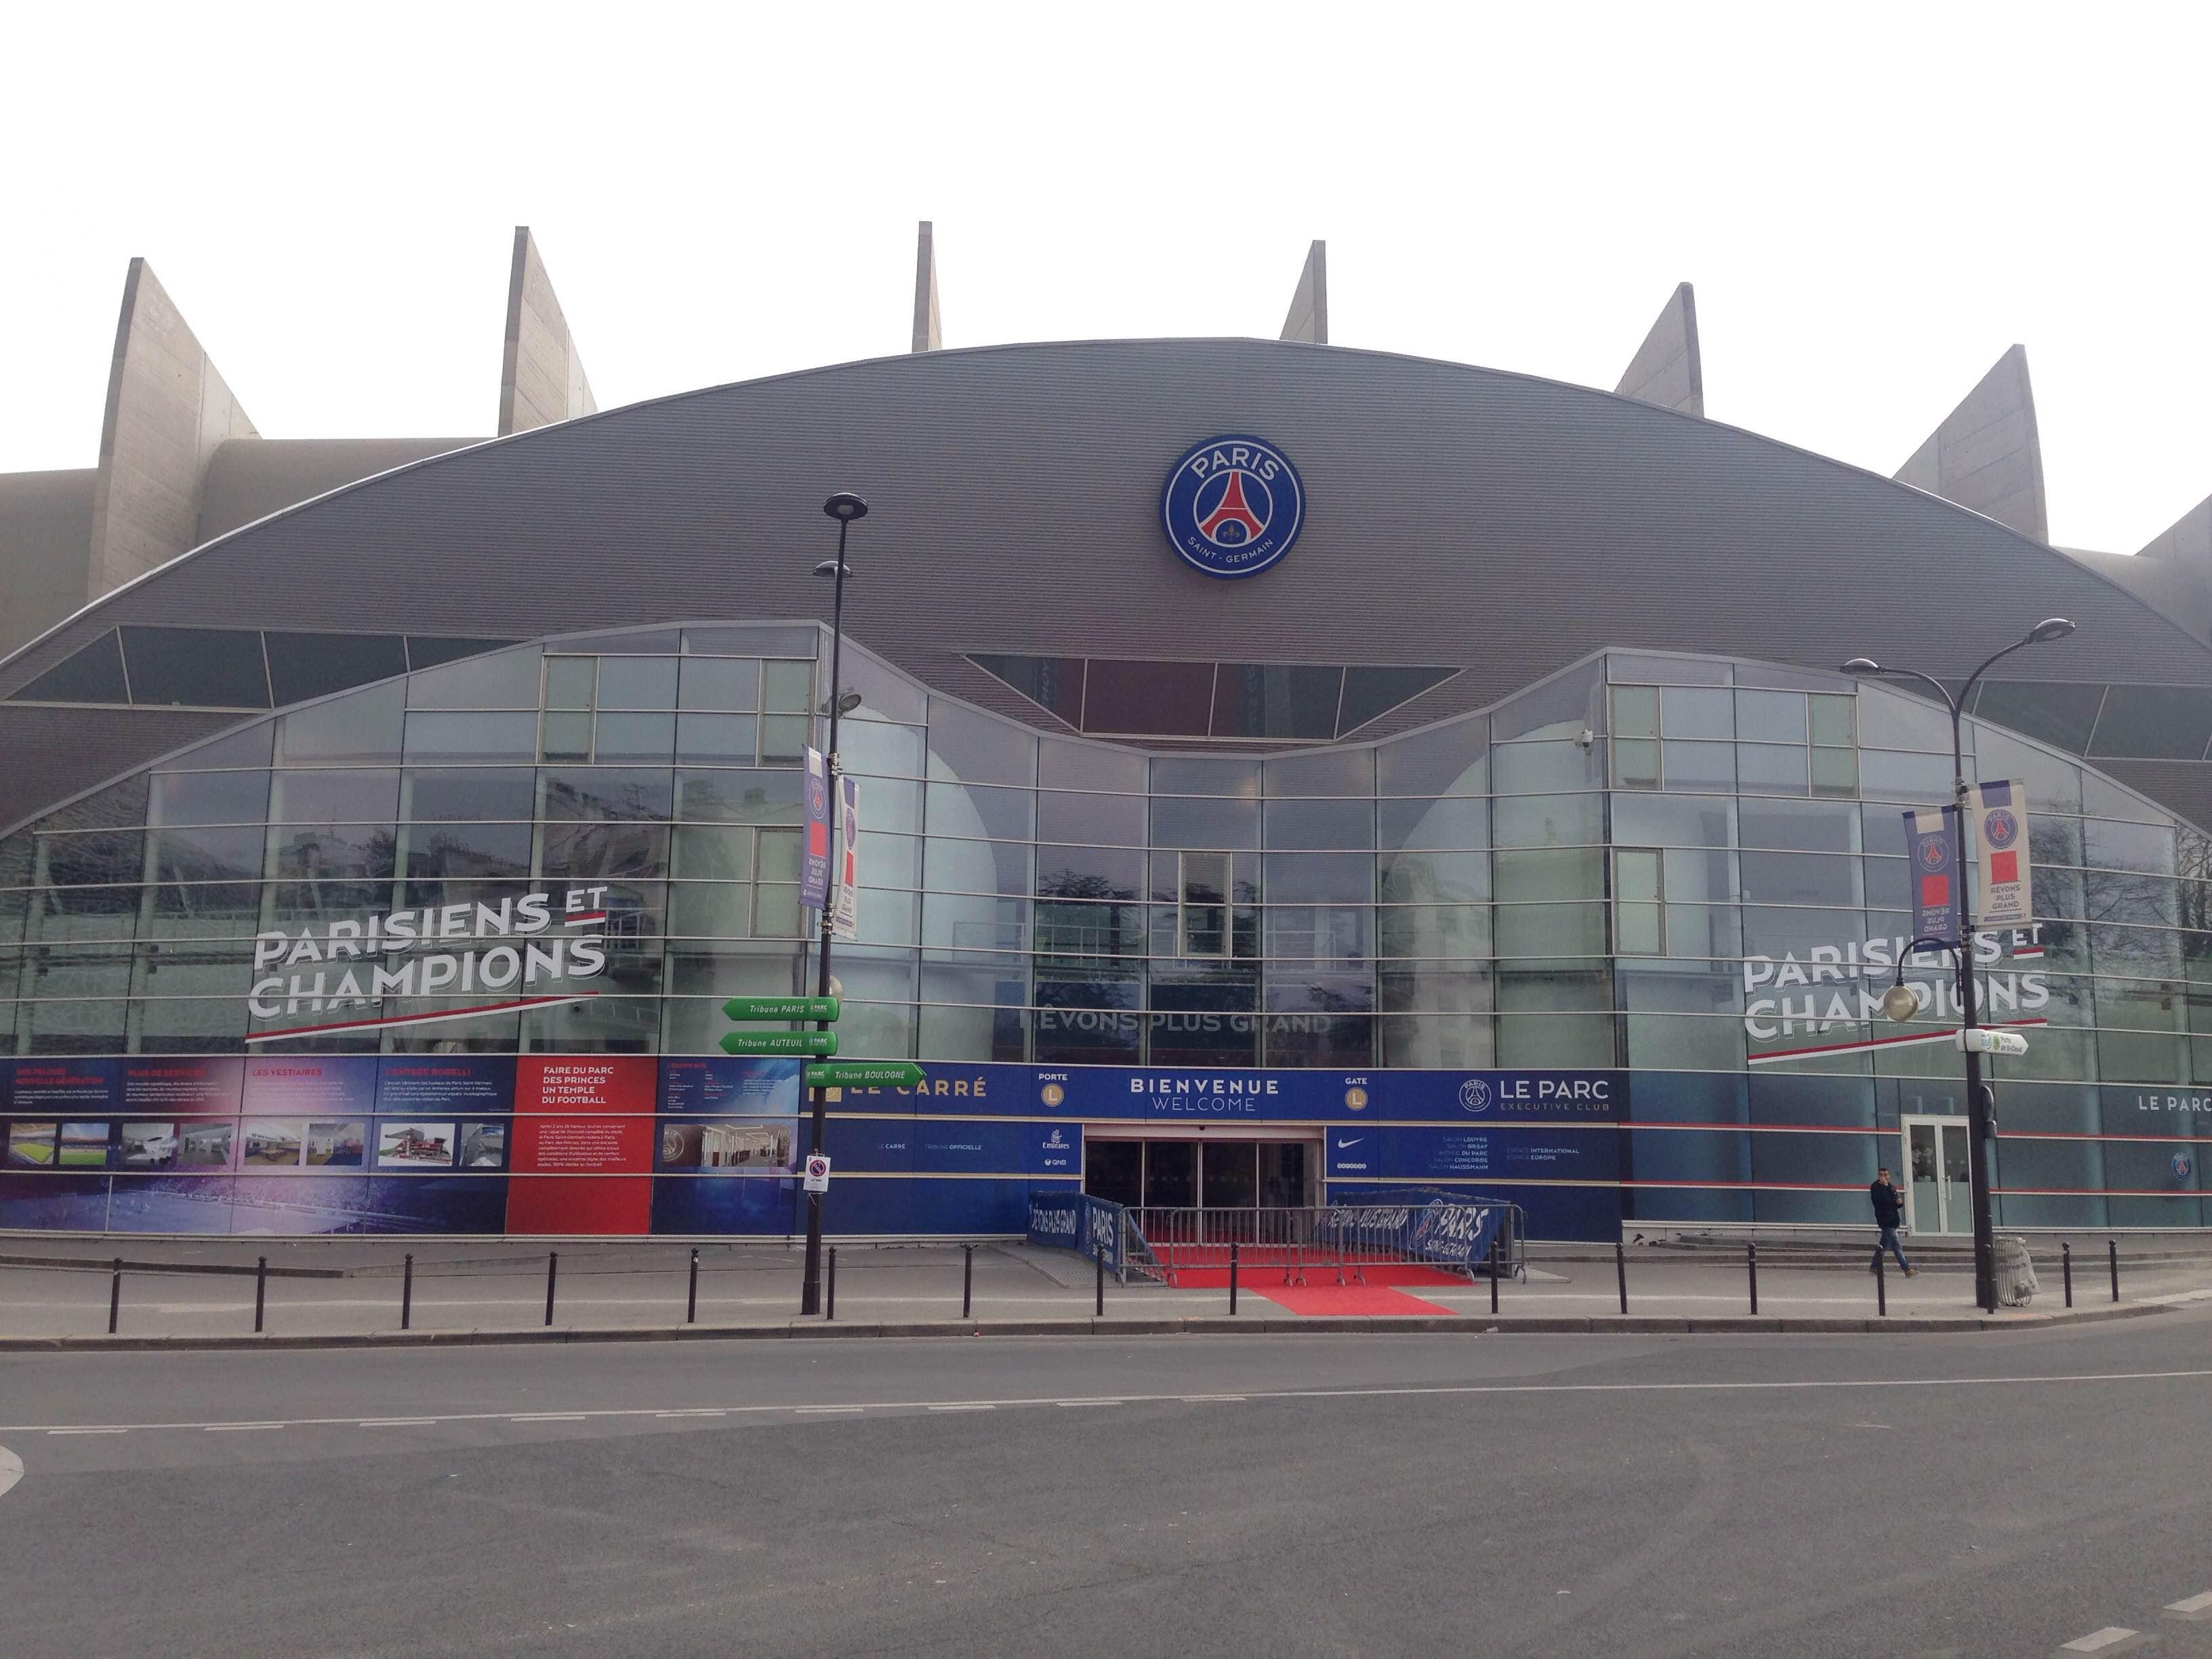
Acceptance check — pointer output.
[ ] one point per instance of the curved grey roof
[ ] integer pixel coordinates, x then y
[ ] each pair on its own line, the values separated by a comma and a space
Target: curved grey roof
1460, 516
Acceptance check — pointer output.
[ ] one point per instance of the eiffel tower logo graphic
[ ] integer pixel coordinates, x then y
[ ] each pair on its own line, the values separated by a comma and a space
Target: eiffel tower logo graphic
1232, 522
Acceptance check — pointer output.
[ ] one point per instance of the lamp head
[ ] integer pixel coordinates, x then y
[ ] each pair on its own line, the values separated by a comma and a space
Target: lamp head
1898, 1003
1863, 665
828, 568
846, 704
845, 507
2050, 627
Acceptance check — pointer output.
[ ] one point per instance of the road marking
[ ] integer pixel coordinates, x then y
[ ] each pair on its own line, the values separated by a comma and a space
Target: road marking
550, 1417
2097, 1640
2195, 1606
828, 1410
11, 1470
1086, 1402
239, 1428
1410, 1391
698, 1411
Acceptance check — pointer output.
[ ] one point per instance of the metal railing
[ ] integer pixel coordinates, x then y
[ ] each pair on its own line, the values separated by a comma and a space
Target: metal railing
1339, 1240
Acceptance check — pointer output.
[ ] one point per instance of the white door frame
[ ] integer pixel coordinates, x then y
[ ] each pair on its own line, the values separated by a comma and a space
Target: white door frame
1937, 1225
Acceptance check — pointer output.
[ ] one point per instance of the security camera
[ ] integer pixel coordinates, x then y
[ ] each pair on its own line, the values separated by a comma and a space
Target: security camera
1585, 738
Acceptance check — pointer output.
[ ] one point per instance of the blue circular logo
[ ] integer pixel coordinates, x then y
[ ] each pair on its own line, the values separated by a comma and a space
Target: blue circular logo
1474, 1095
2001, 828
1232, 506
1934, 855
2181, 1165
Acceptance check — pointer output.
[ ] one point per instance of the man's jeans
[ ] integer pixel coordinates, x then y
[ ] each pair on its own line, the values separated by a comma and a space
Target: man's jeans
1888, 1241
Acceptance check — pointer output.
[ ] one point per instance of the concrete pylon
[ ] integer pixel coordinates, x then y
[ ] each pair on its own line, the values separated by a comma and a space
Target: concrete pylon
168, 409
929, 333
1986, 456
1666, 370
1308, 316
2173, 571
541, 375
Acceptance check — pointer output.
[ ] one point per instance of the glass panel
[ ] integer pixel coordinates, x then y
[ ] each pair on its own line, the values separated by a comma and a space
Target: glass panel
1890, 720
784, 738
1561, 708
1791, 826
208, 797
1325, 772
428, 651
1159, 699
1635, 764
604, 793
876, 747
204, 667
981, 812
1675, 820
639, 682
1090, 872
1835, 772
1184, 775
1275, 701
455, 739
567, 737
245, 745
467, 851
1543, 769
1436, 878
1690, 712
1770, 768
507, 679
1771, 716
1446, 760
334, 797
787, 688
1184, 822
726, 684
1202, 929
1547, 820
93, 674
1118, 820
1370, 693
707, 740
630, 739
2061, 715
977, 867
759, 797
1441, 823
350, 731
1635, 711
1064, 764
2155, 722
305, 666
1833, 722
569, 680
1319, 823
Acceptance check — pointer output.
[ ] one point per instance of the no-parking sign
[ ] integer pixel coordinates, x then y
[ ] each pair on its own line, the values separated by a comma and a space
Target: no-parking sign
816, 1176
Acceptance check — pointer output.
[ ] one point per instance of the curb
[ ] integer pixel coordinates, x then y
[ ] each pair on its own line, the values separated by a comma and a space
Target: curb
1212, 1325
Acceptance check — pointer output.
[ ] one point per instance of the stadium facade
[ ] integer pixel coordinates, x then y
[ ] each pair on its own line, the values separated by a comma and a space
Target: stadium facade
1286, 772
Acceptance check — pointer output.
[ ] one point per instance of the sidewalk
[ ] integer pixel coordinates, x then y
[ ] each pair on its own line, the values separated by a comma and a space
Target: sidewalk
190, 1291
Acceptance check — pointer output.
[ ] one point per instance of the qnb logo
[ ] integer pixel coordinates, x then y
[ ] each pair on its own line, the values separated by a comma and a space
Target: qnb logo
1474, 1095
1232, 506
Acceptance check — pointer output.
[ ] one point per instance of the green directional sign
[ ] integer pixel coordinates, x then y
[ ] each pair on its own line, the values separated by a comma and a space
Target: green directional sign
781, 1008
817, 1044
863, 1075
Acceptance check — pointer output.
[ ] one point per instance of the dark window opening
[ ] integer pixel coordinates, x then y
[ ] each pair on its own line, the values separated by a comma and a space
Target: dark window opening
196, 667
93, 674
428, 651
305, 665
1290, 702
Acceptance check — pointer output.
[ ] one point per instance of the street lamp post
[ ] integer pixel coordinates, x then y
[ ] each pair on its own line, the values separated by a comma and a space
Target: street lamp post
844, 507
1980, 1120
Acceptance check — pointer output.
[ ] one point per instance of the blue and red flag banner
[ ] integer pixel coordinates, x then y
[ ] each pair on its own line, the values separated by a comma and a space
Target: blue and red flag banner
2001, 832
1928, 839
814, 853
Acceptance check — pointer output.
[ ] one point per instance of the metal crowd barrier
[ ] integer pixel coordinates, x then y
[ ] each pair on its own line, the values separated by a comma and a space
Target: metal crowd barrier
1341, 1240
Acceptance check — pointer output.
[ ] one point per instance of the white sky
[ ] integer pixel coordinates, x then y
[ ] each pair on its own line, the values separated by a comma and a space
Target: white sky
1874, 201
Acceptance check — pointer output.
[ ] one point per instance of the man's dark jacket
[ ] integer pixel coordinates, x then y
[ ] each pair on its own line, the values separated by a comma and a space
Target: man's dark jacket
1888, 1203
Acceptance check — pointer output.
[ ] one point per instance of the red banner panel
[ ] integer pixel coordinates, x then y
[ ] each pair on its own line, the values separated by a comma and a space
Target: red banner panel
582, 1160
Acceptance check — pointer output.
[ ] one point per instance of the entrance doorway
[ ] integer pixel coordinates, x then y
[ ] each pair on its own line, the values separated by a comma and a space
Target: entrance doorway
1213, 1175
1938, 1187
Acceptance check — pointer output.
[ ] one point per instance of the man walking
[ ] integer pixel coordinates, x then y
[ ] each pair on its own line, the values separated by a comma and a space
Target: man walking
1888, 1212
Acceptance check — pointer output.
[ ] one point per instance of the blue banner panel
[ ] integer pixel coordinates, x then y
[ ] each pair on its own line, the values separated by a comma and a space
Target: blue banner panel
1563, 1213
750, 1087
1055, 1220
207, 1085
298, 1204
450, 1204
1054, 1148
738, 1202
1185, 1095
409, 1085
969, 1147
1432, 1229
876, 1146
951, 1088
58, 1203
170, 1204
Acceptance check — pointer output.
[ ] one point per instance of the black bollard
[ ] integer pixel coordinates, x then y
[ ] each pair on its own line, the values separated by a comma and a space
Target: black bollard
2066, 1267
1751, 1263
829, 1288
1620, 1272
1493, 1273
2112, 1255
1232, 1276
967, 1281
260, 1291
552, 1269
691, 1301
1098, 1261
407, 1292
1880, 1288
115, 1298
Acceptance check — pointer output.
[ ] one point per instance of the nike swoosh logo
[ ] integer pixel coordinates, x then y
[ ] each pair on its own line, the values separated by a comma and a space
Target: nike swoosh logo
1341, 1144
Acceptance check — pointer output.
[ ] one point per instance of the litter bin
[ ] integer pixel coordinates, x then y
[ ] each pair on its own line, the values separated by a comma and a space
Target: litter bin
2016, 1282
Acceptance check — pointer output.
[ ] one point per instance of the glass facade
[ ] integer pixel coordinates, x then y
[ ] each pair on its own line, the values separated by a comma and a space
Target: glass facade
1690, 870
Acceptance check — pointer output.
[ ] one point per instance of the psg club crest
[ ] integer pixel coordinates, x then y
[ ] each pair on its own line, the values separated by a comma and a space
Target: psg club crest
1232, 506
2001, 828
1474, 1095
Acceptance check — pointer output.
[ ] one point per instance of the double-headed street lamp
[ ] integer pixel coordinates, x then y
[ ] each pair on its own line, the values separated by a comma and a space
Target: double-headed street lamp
844, 507
1980, 1120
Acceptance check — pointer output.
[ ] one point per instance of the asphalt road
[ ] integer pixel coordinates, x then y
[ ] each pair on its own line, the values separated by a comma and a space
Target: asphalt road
1987, 1494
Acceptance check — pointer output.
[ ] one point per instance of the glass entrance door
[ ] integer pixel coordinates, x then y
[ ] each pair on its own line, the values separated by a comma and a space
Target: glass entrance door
1938, 1187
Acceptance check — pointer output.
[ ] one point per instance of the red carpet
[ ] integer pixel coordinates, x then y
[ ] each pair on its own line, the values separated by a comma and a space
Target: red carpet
1357, 1301
1262, 1279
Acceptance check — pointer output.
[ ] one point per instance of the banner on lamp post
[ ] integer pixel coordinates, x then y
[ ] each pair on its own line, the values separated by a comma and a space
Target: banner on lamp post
845, 879
2000, 833
1929, 843
814, 849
